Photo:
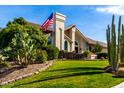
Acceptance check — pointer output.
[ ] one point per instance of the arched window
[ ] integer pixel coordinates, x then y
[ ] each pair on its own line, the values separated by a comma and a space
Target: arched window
65, 45
49, 40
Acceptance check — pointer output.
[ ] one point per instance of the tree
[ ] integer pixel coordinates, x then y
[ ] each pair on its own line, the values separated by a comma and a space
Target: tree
19, 40
97, 48
20, 25
0, 28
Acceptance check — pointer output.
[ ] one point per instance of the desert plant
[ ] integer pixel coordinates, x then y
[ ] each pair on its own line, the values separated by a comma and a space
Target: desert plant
23, 47
115, 49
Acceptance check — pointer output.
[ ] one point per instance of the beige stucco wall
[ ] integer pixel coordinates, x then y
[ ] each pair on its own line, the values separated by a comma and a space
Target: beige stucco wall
81, 41
59, 30
104, 50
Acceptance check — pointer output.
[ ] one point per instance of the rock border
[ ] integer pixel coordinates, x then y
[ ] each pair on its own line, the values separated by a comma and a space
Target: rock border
47, 64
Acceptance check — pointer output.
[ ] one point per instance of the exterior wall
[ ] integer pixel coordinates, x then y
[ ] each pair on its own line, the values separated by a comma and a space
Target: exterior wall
72, 36
82, 43
58, 36
104, 50
59, 31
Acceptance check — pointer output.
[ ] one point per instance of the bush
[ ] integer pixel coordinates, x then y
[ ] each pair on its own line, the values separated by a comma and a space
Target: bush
61, 54
4, 64
41, 55
102, 55
85, 53
52, 52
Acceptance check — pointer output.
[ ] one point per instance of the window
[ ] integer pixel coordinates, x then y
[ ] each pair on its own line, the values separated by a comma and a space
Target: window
49, 40
65, 45
76, 47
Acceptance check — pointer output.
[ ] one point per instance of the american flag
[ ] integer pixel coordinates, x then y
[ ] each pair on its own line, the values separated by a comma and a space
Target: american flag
48, 22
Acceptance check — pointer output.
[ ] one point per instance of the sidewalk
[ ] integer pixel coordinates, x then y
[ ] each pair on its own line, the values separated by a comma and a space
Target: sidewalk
121, 85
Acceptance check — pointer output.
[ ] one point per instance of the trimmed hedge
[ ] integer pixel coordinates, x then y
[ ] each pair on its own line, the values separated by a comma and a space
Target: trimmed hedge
52, 52
70, 55
102, 55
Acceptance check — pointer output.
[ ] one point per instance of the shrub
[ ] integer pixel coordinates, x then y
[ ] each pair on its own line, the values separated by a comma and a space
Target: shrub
61, 54
41, 55
97, 48
85, 53
102, 55
52, 52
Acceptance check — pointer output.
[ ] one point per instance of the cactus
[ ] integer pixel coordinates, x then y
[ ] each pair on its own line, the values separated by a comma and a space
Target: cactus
111, 42
122, 44
119, 41
108, 44
113, 56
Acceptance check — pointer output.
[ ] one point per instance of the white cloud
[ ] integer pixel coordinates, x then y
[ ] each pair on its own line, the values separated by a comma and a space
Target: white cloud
119, 10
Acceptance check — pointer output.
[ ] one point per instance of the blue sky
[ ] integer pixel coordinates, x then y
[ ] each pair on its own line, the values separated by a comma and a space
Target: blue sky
90, 20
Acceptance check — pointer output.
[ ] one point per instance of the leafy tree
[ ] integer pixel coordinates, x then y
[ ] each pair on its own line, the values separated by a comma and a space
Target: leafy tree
97, 48
0, 28
19, 40
20, 25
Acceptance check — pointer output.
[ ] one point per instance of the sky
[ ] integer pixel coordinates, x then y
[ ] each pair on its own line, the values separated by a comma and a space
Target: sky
91, 20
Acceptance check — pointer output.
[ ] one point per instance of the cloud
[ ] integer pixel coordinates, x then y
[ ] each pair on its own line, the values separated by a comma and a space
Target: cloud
118, 10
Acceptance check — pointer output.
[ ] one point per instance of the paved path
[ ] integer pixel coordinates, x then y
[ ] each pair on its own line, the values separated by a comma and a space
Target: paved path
121, 85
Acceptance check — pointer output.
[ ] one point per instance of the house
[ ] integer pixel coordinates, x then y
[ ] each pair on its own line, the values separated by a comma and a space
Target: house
70, 38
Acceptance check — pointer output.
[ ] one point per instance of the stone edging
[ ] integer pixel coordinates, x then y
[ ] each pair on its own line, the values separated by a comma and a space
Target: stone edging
48, 64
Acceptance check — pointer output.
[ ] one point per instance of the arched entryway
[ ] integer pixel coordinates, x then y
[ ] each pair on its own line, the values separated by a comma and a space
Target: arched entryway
76, 46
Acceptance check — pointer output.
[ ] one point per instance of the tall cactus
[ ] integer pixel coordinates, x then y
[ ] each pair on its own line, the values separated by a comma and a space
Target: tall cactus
113, 56
111, 42
119, 41
122, 44
108, 44
116, 52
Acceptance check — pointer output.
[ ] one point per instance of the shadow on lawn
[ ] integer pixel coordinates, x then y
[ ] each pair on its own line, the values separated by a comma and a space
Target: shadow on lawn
70, 72
78, 69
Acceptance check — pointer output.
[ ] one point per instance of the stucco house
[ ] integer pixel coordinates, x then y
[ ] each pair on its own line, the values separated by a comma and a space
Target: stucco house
69, 38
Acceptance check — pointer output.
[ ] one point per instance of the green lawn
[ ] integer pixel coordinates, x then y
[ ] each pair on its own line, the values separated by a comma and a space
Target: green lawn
70, 74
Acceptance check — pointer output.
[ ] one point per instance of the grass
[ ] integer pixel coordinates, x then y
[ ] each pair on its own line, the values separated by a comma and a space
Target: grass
70, 74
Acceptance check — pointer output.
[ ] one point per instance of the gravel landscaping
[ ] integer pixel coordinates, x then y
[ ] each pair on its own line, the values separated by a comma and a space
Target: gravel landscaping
19, 73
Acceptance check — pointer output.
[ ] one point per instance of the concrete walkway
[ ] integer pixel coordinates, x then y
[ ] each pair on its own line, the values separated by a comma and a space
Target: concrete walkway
121, 85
